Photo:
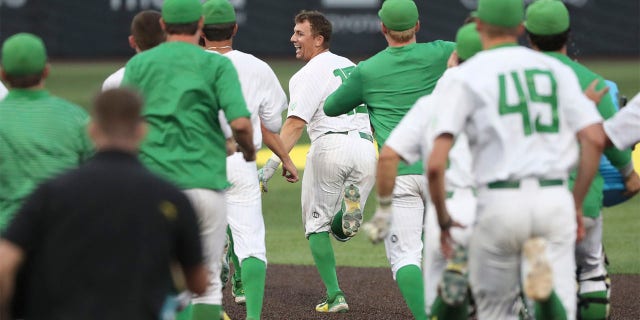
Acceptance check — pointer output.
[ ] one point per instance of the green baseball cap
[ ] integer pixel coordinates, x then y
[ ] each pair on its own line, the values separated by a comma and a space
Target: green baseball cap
218, 12
501, 13
399, 15
23, 54
468, 41
547, 17
181, 11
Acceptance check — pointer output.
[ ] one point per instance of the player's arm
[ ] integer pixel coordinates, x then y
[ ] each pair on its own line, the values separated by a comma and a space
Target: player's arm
273, 142
11, 257
592, 142
622, 129
346, 97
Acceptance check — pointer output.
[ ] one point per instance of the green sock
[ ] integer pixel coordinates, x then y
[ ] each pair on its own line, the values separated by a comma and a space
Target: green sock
325, 261
441, 310
409, 279
201, 311
552, 309
336, 225
233, 258
254, 272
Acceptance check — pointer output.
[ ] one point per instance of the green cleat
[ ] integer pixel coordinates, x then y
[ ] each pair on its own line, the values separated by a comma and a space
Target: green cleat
237, 291
337, 305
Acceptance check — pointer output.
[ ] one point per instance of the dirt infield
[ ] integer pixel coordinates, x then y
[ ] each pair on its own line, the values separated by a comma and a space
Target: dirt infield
293, 291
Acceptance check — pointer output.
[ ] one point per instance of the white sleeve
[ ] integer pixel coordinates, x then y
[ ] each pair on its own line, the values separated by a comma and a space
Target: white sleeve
114, 80
623, 129
3, 91
224, 125
576, 108
455, 102
407, 137
305, 95
274, 101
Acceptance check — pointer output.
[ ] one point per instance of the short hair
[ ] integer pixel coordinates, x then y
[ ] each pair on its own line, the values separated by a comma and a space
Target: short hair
402, 36
189, 28
552, 42
146, 29
117, 112
320, 25
23, 81
497, 31
218, 32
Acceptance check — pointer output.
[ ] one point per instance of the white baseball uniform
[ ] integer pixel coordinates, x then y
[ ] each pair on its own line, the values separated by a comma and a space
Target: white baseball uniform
623, 129
114, 80
265, 100
3, 91
412, 139
342, 151
520, 110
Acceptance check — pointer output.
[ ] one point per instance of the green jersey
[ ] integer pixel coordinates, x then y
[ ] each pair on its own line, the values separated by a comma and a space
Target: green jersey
184, 89
593, 201
40, 136
390, 83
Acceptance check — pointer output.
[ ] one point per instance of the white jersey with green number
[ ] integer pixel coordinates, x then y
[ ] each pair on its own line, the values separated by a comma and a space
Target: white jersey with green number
310, 87
413, 139
623, 129
521, 111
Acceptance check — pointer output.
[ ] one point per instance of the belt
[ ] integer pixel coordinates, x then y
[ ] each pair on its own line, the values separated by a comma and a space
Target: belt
516, 184
363, 135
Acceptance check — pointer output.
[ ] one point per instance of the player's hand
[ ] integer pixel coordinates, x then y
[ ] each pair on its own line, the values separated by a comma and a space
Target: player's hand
581, 232
266, 172
378, 227
632, 184
289, 170
594, 95
446, 241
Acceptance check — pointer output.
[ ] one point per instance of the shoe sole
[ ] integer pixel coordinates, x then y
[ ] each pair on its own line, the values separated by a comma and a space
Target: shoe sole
240, 300
341, 308
352, 217
454, 285
539, 281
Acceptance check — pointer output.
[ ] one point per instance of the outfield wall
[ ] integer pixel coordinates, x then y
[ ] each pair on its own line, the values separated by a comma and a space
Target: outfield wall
99, 28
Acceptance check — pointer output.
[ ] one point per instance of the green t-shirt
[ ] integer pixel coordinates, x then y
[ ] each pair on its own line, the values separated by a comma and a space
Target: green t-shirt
184, 88
390, 83
40, 136
619, 158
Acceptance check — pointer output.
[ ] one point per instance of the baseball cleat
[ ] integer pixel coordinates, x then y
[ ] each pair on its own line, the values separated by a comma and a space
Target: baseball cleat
454, 285
337, 305
352, 217
539, 281
237, 291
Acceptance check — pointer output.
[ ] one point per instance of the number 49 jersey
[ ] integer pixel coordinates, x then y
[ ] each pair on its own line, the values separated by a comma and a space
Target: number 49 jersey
521, 111
310, 87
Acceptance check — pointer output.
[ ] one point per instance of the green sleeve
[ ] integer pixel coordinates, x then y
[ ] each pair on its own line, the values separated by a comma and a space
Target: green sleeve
346, 97
606, 108
228, 91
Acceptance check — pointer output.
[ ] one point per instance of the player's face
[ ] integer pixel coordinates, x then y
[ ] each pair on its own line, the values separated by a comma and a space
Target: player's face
304, 41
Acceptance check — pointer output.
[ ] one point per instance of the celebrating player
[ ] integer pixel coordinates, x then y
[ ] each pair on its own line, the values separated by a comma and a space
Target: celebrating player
185, 87
547, 25
265, 100
341, 162
40, 135
521, 111
389, 84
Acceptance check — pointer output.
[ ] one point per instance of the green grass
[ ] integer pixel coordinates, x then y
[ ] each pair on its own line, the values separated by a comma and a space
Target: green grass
78, 82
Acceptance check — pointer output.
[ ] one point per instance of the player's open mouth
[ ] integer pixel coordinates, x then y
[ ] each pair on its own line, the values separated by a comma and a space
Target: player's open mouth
297, 48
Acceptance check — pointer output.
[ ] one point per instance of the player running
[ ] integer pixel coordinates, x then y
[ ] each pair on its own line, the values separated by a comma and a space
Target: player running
521, 111
340, 165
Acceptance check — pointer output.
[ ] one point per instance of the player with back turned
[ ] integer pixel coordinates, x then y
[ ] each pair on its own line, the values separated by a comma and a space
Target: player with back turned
524, 114
547, 25
389, 83
185, 87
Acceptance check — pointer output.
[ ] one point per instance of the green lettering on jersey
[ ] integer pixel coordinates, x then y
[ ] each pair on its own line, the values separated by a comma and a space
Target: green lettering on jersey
522, 106
343, 74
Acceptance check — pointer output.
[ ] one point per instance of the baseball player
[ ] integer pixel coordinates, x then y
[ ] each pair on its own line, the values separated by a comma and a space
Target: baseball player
547, 25
390, 83
146, 33
340, 164
3, 91
265, 100
185, 143
521, 111
623, 130
40, 135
